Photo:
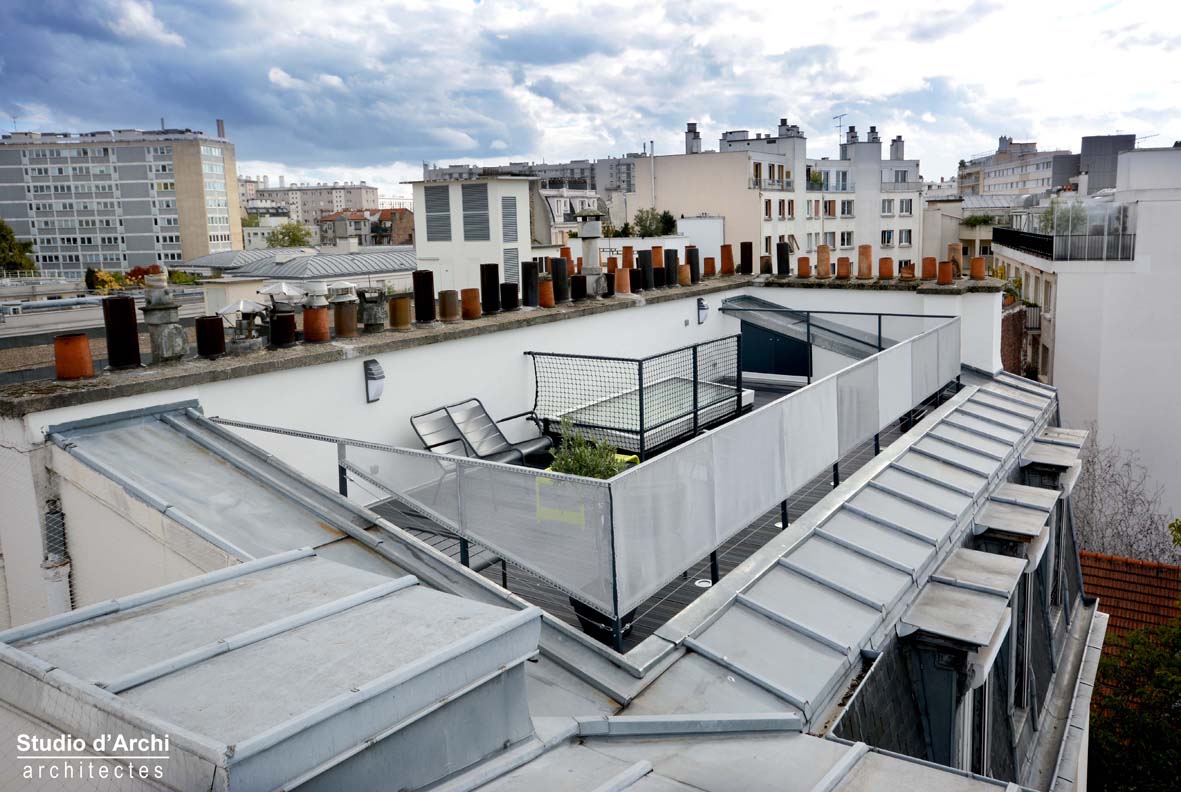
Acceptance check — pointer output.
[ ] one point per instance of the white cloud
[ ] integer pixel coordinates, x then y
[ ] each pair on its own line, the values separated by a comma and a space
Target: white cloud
331, 81
284, 80
136, 19
454, 138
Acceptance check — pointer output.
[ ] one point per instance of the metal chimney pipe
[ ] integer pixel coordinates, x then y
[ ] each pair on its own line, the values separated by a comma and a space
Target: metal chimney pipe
122, 328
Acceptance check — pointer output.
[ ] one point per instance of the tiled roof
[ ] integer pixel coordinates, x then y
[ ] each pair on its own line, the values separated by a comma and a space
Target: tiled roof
1135, 593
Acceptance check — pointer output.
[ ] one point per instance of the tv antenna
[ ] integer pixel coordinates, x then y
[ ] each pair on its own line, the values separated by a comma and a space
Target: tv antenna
838, 122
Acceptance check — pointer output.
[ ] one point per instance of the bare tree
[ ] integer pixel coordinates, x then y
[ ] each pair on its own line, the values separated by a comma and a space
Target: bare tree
1117, 506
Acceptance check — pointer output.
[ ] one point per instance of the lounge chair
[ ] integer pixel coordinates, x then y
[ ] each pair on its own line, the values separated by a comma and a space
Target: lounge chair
439, 433
484, 438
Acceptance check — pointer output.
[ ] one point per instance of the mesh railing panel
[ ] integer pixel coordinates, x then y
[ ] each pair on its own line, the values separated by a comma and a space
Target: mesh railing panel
643, 404
557, 527
676, 508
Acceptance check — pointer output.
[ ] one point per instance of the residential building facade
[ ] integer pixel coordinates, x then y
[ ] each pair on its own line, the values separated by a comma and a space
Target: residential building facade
307, 202
1105, 274
769, 190
371, 227
120, 199
1016, 168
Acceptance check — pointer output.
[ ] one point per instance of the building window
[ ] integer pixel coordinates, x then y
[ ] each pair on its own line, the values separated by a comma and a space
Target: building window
830, 208
438, 213
767, 209
767, 244
791, 209
830, 238
782, 208
887, 206
905, 205
846, 208
846, 239
887, 238
904, 236
475, 212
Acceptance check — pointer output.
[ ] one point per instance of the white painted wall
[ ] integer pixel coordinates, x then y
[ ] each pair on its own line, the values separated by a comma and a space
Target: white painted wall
708, 234
456, 264
1116, 359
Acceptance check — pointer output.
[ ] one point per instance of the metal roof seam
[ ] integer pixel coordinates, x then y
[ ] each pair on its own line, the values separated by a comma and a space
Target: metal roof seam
865, 552
751, 676
832, 584
887, 523
899, 464
792, 624
255, 635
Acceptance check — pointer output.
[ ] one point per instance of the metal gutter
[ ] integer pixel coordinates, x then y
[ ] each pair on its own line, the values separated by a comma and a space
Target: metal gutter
119, 604
671, 725
255, 635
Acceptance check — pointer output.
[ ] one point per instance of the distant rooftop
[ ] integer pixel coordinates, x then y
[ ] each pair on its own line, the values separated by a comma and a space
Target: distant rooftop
310, 263
105, 136
1134, 593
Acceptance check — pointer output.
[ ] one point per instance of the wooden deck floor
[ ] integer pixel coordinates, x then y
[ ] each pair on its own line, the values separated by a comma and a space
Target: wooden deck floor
671, 599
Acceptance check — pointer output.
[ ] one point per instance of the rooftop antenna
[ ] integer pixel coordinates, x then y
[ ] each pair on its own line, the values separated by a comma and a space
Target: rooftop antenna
839, 121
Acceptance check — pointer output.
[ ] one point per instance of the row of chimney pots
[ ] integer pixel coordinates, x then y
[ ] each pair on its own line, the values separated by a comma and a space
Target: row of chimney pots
545, 283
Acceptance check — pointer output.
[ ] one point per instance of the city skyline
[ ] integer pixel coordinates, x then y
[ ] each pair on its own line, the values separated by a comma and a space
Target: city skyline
373, 93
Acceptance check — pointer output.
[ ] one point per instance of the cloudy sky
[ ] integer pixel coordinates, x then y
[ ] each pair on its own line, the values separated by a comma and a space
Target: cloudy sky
366, 89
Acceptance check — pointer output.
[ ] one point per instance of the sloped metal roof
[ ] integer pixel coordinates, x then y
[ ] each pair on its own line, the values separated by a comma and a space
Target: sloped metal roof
208, 480
795, 629
247, 659
311, 263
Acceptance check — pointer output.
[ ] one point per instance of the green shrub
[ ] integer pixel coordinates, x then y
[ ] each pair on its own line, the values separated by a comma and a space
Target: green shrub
580, 456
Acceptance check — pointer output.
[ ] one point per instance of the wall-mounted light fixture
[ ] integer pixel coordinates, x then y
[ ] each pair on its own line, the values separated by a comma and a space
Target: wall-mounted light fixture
374, 381
702, 310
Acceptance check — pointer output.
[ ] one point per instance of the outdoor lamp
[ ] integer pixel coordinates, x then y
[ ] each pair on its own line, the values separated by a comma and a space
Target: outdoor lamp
374, 381
702, 310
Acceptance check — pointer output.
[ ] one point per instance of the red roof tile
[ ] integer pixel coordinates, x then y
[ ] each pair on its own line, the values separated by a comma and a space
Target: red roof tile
1134, 593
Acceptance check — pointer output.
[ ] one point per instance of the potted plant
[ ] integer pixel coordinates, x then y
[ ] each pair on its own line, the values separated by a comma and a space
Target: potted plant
578, 455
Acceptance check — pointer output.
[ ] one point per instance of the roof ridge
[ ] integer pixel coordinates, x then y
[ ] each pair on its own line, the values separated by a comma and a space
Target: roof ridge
1130, 561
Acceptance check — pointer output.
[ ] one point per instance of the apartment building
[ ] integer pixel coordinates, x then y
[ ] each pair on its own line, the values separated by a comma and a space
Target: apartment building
308, 202
1104, 275
602, 176
369, 227
769, 190
120, 199
1016, 168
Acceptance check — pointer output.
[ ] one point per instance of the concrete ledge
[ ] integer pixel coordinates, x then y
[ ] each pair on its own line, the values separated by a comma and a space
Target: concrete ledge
22, 398
959, 286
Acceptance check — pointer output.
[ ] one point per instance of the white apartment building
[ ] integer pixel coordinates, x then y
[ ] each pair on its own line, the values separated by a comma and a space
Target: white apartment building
119, 199
459, 225
769, 190
1106, 275
307, 202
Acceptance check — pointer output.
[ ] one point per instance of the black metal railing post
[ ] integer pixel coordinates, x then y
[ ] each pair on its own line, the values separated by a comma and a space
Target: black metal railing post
836, 474
640, 397
782, 515
808, 337
695, 386
738, 374
879, 332
713, 567
464, 552
342, 473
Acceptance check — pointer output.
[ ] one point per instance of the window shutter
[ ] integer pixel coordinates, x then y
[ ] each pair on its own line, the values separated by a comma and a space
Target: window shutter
475, 213
512, 265
508, 219
438, 213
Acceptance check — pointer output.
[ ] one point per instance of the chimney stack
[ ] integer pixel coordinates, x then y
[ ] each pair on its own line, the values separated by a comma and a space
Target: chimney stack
851, 136
282, 182
896, 148
692, 138
221, 128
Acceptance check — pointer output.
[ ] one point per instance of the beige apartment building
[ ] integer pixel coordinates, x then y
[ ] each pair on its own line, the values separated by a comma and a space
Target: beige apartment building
308, 202
120, 199
769, 191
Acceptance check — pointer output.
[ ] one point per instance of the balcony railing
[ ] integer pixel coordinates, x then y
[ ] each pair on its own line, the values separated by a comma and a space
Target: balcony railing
1068, 247
1033, 317
822, 187
910, 186
770, 184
